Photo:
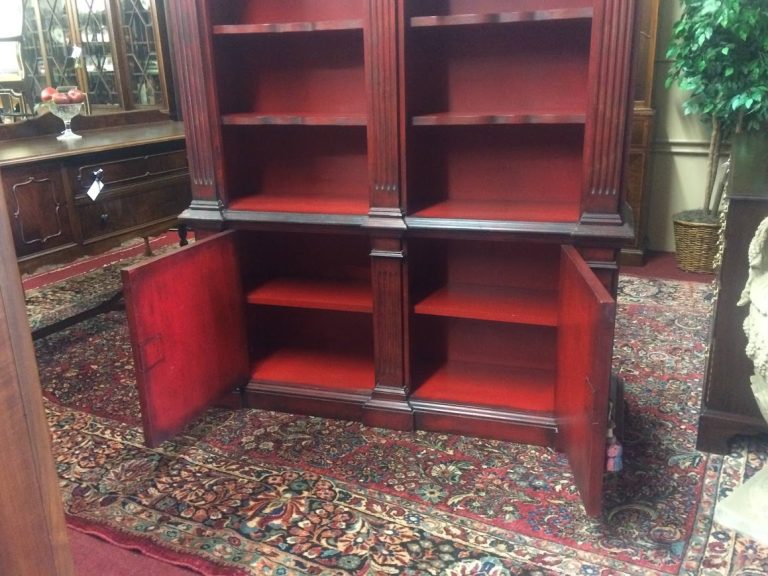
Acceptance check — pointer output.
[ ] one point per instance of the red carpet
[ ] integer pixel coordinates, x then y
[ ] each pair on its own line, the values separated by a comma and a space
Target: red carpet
662, 265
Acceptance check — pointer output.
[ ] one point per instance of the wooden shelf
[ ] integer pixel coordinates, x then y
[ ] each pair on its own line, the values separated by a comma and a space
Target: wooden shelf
479, 119
505, 387
501, 17
289, 27
301, 204
256, 119
500, 304
320, 369
501, 210
319, 294
313, 13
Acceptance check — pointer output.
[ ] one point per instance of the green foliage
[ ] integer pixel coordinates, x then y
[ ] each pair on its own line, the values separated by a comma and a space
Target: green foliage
719, 50
719, 53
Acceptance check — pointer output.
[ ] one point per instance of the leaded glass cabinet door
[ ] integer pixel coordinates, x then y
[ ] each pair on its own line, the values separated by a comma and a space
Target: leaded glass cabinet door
144, 69
46, 42
94, 36
110, 49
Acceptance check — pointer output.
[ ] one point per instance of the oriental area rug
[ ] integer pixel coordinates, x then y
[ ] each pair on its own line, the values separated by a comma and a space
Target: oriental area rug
250, 492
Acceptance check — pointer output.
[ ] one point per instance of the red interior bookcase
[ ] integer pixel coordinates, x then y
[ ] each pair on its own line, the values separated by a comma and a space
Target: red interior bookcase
423, 203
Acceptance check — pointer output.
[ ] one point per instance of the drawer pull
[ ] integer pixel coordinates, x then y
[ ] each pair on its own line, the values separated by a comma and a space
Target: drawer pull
104, 219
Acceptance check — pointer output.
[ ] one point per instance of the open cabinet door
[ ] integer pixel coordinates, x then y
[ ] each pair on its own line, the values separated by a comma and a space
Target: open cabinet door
186, 319
585, 350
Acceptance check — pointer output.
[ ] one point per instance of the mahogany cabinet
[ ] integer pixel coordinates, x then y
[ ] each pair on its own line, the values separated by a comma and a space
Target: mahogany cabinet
422, 206
145, 178
728, 405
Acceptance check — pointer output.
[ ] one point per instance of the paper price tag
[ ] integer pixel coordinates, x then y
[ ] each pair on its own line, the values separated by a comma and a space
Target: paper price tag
95, 189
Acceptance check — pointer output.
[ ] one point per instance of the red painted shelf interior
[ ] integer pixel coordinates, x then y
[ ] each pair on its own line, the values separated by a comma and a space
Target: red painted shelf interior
490, 385
474, 74
483, 363
479, 280
484, 334
310, 320
501, 304
301, 169
317, 293
512, 173
292, 75
304, 269
310, 304
315, 368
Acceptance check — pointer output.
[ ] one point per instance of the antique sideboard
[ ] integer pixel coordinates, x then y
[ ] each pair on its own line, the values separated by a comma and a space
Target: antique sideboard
140, 160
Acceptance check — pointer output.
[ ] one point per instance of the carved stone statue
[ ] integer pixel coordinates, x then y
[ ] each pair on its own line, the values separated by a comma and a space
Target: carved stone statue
746, 509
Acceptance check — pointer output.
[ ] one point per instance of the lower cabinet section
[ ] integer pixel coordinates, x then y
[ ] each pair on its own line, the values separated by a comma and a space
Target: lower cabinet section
497, 338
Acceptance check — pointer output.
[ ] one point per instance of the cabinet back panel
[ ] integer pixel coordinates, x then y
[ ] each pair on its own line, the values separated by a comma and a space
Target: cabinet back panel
442, 7
320, 73
440, 340
433, 263
489, 68
541, 164
272, 328
273, 11
273, 255
312, 162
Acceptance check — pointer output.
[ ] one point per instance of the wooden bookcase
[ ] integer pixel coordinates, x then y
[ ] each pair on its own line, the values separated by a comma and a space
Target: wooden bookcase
422, 206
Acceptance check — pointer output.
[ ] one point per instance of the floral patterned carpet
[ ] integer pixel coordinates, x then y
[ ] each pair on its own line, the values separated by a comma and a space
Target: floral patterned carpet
264, 493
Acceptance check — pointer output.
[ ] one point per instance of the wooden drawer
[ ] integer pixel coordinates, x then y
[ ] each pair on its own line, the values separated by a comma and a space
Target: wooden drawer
118, 212
132, 171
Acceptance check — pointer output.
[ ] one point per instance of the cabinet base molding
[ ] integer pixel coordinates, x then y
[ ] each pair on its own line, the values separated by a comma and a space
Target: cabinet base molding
717, 430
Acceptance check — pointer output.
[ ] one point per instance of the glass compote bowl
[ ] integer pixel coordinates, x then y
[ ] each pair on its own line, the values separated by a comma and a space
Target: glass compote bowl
66, 112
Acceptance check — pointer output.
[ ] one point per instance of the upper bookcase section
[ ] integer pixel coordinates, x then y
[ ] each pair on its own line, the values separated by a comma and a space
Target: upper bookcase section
278, 16
450, 108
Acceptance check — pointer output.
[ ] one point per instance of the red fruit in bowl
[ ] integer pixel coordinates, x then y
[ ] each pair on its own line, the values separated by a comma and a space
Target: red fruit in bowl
76, 96
47, 94
61, 98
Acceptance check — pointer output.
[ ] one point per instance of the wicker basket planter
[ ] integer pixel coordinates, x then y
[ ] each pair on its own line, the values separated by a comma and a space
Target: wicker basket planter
695, 245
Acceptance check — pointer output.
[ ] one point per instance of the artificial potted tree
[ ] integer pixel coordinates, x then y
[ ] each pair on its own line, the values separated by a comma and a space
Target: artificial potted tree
719, 53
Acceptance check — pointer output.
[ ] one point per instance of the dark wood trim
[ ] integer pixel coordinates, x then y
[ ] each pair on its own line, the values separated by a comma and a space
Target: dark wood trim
30, 501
